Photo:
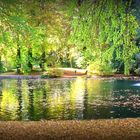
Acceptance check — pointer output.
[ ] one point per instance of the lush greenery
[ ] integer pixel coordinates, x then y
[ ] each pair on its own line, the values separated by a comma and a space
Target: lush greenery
102, 36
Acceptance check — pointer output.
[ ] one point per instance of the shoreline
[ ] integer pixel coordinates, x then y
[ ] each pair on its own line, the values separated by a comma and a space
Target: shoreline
113, 129
117, 77
20, 77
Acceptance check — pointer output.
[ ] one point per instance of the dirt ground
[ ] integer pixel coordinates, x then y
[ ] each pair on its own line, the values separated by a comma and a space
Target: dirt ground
117, 129
68, 73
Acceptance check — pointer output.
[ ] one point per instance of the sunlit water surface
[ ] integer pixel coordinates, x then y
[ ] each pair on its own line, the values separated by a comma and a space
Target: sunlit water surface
68, 99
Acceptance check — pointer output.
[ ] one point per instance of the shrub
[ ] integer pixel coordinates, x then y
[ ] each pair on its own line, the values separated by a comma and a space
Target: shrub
2, 69
25, 69
137, 71
53, 73
99, 68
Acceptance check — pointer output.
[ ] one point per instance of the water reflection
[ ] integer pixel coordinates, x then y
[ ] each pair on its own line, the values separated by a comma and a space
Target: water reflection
31, 100
19, 96
68, 99
137, 84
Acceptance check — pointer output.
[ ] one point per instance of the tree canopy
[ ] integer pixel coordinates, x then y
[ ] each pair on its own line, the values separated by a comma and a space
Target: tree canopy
102, 36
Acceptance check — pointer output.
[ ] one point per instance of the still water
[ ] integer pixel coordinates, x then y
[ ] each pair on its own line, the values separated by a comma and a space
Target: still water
68, 99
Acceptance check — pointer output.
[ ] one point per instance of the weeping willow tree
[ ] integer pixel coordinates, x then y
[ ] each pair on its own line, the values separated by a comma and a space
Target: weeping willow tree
104, 28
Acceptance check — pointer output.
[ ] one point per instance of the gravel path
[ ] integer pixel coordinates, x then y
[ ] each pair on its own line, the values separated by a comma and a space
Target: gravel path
117, 129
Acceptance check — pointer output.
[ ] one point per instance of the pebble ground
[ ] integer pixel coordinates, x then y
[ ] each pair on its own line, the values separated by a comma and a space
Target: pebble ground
114, 129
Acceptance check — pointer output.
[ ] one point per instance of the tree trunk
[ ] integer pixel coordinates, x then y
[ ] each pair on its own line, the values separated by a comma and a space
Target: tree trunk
42, 4
43, 60
30, 59
126, 43
18, 60
1, 66
79, 2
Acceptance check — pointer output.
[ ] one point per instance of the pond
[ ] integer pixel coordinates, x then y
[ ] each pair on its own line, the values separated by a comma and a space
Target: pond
68, 99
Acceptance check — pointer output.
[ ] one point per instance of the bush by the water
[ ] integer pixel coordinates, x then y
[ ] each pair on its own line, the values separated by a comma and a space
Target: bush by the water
53, 73
99, 68
137, 71
2, 69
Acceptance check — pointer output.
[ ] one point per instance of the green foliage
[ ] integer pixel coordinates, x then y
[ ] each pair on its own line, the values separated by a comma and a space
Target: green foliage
2, 69
137, 71
53, 73
100, 68
62, 33
105, 27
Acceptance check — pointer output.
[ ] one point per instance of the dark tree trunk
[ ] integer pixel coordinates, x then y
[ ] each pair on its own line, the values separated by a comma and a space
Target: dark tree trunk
19, 95
43, 60
30, 59
1, 65
79, 2
42, 4
18, 60
31, 100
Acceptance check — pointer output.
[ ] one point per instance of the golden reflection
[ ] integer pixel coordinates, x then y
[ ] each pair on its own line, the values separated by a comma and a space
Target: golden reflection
78, 98
9, 105
65, 104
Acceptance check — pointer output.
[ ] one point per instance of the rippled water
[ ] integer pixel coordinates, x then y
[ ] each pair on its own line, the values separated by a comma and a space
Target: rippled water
67, 99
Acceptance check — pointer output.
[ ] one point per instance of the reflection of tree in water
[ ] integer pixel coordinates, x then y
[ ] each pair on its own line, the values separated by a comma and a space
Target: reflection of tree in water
1, 85
85, 110
76, 97
64, 111
31, 100
44, 102
53, 99
19, 95
9, 100
97, 99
